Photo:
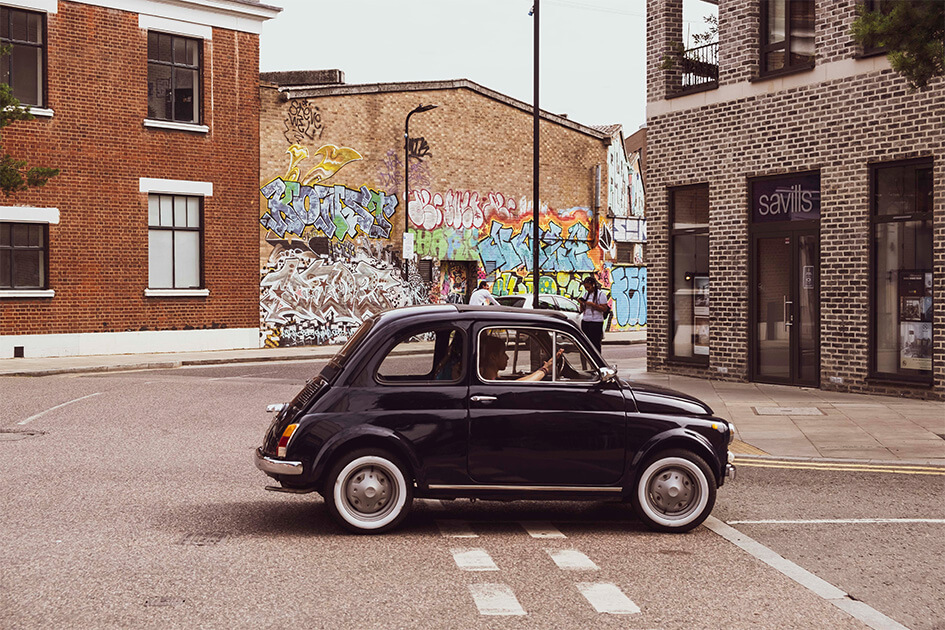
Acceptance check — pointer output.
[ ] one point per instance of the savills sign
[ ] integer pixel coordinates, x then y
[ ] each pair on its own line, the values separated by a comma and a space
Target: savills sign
790, 198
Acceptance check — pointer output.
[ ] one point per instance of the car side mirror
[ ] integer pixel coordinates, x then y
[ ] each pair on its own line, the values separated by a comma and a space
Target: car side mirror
607, 374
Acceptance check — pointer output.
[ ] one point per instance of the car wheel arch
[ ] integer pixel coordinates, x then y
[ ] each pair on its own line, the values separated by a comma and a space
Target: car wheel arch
365, 436
675, 439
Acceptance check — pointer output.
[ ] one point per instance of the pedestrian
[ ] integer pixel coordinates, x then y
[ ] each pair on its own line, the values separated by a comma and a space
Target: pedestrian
594, 306
482, 296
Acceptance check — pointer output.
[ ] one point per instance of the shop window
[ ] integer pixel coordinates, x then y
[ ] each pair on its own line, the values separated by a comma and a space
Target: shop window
690, 273
23, 255
173, 78
24, 68
787, 35
175, 252
902, 271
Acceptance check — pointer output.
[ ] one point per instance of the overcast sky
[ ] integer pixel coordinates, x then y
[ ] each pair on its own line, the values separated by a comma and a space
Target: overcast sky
592, 57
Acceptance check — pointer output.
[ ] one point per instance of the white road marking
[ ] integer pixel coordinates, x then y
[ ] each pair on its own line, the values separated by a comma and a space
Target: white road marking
43, 413
870, 616
607, 598
456, 529
542, 530
842, 521
572, 560
495, 599
473, 560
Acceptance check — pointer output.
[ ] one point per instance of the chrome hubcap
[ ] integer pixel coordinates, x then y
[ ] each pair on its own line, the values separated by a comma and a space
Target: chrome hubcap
672, 491
368, 489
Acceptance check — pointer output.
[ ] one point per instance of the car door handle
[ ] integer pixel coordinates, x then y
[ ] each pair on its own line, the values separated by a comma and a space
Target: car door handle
483, 398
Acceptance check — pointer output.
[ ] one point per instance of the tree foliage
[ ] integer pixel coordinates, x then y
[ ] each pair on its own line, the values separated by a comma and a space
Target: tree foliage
913, 34
16, 175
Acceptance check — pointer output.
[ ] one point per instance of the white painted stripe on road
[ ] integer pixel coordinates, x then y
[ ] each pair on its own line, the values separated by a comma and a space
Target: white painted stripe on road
870, 616
842, 521
456, 529
542, 530
473, 560
495, 599
572, 560
607, 598
43, 413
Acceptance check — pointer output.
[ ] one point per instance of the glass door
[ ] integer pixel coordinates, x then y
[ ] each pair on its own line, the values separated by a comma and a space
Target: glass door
786, 308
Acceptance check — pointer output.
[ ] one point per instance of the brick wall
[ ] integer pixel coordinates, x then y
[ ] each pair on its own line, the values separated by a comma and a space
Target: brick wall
98, 253
838, 126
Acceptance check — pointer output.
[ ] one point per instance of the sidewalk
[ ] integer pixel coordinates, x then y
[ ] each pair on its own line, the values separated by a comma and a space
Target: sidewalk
772, 421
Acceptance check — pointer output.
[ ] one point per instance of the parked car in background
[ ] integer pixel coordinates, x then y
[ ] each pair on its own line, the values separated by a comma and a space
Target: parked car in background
456, 401
549, 301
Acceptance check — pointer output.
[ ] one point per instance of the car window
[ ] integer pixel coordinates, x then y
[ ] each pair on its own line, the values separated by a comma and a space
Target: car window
567, 305
432, 356
546, 302
510, 354
516, 302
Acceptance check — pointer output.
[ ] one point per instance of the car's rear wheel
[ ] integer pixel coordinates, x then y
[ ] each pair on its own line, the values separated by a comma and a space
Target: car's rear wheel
675, 491
368, 491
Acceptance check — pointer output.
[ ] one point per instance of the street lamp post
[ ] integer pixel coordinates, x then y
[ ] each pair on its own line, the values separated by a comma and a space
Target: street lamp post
418, 109
536, 273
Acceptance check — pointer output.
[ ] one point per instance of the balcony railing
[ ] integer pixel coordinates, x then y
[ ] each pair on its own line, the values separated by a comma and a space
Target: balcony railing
700, 67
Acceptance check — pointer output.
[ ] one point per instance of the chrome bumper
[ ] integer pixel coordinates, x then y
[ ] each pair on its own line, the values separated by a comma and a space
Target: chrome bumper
730, 466
276, 466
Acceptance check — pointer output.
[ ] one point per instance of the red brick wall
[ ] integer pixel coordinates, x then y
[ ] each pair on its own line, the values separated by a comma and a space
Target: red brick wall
98, 253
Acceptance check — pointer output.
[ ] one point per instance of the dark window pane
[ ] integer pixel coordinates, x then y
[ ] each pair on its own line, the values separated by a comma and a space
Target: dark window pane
802, 32
36, 235
18, 25
777, 21
159, 92
6, 281
903, 189
4, 234
26, 268
923, 192
26, 62
34, 28
5, 23
691, 208
164, 47
152, 46
21, 234
180, 50
193, 57
184, 94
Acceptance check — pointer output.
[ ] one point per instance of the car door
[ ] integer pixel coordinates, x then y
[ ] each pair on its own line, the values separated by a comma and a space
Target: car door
567, 430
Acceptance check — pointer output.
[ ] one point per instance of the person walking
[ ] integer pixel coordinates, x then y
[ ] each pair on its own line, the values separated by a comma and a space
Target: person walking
594, 306
482, 296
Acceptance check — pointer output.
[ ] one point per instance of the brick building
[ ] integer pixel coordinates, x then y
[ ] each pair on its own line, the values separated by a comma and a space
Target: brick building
795, 204
332, 217
144, 242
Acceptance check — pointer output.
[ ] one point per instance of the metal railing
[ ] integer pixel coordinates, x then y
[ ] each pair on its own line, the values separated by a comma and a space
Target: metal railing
700, 66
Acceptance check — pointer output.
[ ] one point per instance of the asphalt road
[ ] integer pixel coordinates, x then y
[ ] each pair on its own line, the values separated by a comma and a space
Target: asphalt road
130, 500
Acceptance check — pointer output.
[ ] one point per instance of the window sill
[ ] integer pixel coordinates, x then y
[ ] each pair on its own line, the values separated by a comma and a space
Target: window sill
40, 112
160, 293
27, 293
782, 73
176, 126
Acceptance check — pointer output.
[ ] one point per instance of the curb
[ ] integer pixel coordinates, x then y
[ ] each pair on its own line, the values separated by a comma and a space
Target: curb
833, 460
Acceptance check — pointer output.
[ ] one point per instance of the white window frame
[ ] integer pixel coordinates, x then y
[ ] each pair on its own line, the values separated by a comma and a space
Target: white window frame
29, 214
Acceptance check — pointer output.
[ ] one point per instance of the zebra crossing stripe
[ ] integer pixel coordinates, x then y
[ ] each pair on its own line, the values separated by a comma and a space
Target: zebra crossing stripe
607, 598
495, 599
542, 530
473, 560
456, 529
572, 560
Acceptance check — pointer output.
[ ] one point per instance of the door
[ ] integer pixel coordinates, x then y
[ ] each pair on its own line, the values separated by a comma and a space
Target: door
566, 430
786, 308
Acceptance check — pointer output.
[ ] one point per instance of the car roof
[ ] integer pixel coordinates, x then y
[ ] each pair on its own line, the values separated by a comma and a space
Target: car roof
465, 311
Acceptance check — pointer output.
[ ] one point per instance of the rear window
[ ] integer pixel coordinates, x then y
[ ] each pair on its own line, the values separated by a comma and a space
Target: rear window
426, 356
341, 358
513, 301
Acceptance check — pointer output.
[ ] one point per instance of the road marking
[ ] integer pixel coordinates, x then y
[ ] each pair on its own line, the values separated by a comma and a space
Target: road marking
841, 521
43, 413
870, 616
456, 529
495, 599
572, 560
901, 469
473, 560
542, 530
607, 598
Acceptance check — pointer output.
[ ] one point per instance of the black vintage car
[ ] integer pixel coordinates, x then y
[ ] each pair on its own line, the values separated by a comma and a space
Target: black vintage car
452, 401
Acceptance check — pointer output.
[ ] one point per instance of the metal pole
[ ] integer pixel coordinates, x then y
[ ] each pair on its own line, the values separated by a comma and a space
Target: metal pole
536, 272
403, 241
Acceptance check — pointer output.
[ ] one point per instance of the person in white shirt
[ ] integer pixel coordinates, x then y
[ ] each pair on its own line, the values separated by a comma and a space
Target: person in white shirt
482, 296
594, 306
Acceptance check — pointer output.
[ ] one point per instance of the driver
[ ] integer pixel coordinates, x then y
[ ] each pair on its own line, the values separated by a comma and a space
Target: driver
493, 358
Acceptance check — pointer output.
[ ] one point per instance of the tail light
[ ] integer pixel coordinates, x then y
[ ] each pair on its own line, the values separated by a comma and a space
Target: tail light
284, 440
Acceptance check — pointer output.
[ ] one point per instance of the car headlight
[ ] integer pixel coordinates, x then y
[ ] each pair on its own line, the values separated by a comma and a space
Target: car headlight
731, 432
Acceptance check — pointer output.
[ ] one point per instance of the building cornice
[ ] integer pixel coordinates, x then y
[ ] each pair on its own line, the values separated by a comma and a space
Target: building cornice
312, 91
236, 15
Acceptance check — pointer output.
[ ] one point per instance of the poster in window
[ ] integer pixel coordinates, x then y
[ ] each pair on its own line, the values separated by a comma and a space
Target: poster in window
700, 298
700, 336
916, 350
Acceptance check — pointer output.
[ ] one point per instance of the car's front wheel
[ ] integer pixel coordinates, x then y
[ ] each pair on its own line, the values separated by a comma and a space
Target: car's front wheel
675, 491
368, 491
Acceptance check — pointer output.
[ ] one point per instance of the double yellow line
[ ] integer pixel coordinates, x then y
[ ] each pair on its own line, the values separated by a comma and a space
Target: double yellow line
899, 469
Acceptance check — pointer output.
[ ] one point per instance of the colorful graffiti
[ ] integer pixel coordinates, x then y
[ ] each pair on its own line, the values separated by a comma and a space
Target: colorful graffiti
303, 121
628, 294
